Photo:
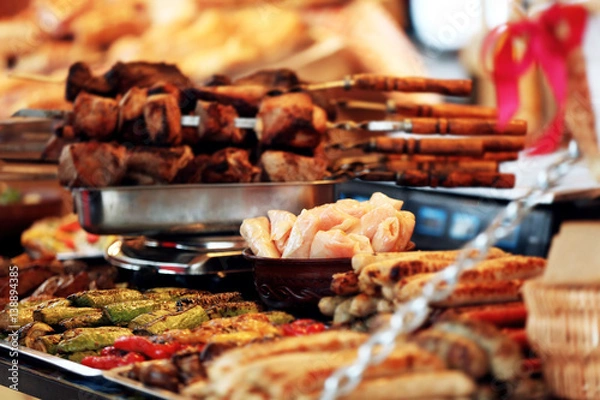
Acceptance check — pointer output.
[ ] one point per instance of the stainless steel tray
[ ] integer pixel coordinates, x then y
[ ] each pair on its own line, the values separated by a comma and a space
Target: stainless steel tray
191, 209
54, 360
117, 375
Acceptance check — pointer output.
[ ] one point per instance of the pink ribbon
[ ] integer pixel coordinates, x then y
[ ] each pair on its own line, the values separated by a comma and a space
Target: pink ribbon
548, 39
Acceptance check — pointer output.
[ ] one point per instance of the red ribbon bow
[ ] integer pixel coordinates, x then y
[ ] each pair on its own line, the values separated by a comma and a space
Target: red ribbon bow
548, 39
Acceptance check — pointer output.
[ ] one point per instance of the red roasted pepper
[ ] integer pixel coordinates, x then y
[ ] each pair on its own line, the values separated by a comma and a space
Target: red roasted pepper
70, 227
112, 361
302, 327
91, 238
150, 349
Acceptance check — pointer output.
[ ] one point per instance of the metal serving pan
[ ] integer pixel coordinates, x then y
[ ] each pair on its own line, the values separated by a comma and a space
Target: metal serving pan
56, 361
191, 209
119, 375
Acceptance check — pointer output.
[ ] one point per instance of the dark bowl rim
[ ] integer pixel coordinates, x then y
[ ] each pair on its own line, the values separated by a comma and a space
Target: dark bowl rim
248, 254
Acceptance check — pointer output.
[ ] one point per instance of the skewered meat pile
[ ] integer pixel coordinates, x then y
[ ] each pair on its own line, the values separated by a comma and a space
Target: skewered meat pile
269, 126
134, 131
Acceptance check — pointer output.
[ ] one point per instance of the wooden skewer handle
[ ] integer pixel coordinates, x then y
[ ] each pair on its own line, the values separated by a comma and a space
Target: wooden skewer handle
466, 126
451, 87
441, 110
443, 166
442, 146
496, 144
440, 179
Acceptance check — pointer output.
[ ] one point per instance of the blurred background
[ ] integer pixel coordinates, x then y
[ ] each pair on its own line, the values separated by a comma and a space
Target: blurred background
319, 39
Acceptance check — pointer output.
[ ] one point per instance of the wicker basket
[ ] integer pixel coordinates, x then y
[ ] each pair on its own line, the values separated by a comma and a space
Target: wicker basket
563, 327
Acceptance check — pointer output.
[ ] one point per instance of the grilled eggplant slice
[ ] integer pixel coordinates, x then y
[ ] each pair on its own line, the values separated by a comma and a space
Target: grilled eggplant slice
172, 293
30, 332
144, 319
53, 315
80, 355
232, 309
279, 317
48, 343
85, 339
101, 298
207, 300
187, 319
93, 319
119, 313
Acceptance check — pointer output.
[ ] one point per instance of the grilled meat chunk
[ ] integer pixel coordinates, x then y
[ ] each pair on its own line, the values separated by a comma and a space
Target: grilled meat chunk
245, 99
161, 374
290, 120
159, 164
132, 126
163, 120
282, 78
95, 117
218, 124
230, 165
92, 164
345, 283
122, 77
281, 166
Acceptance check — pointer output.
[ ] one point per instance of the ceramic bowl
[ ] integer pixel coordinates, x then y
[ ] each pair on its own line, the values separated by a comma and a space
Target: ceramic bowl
295, 284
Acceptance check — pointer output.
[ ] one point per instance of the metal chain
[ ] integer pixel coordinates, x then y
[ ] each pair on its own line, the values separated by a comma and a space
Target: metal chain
411, 314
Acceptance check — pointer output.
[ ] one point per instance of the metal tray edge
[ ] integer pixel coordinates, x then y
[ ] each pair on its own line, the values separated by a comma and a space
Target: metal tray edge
150, 188
61, 363
114, 375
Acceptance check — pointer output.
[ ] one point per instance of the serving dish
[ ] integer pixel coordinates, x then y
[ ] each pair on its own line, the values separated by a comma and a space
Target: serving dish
191, 209
295, 284
55, 361
118, 375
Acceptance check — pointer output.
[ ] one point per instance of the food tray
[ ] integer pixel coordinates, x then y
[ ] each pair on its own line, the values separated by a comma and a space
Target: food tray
49, 359
117, 375
191, 209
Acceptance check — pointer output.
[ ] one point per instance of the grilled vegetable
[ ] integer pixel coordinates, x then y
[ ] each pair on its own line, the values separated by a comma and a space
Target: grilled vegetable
19, 318
229, 309
100, 298
207, 300
23, 313
279, 317
141, 320
80, 355
82, 339
48, 343
171, 293
31, 331
124, 312
53, 315
90, 320
143, 345
110, 362
187, 319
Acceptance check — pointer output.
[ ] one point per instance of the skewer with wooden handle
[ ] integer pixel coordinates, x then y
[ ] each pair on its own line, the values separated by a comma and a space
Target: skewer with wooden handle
445, 110
452, 179
495, 157
380, 83
442, 166
437, 146
446, 126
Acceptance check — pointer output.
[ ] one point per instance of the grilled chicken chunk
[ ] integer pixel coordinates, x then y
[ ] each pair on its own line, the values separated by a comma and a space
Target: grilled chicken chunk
92, 164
